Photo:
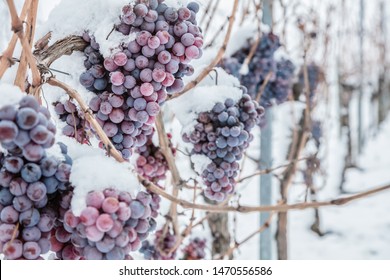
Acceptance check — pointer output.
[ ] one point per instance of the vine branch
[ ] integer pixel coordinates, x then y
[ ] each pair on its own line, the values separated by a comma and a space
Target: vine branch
248, 209
17, 28
6, 58
111, 150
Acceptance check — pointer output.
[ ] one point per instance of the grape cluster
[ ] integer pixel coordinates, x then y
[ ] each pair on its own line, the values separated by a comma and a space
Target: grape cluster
222, 135
27, 189
279, 89
111, 226
26, 129
161, 248
195, 250
133, 83
76, 126
151, 162
314, 74
263, 68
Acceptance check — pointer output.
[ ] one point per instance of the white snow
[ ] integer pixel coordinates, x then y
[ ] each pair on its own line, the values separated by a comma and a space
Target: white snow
244, 69
5, 26
203, 98
359, 230
241, 37
73, 17
9, 94
55, 151
200, 162
94, 173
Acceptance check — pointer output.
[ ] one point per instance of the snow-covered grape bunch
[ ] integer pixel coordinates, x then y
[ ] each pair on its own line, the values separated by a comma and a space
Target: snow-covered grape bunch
162, 248
195, 250
111, 226
26, 129
133, 82
222, 135
75, 126
26, 191
151, 162
263, 67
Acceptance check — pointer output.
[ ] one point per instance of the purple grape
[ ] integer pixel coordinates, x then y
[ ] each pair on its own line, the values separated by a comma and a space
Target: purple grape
36, 191
6, 198
29, 218
9, 131
9, 215
171, 14
31, 234
13, 250
87, 79
18, 186
13, 164
33, 152
31, 172
8, 113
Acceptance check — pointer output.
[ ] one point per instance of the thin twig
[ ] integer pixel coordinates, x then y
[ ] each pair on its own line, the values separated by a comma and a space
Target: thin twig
211, 18
245, 11
263, 86
252, 51
269, 170
216, 60
206, 12
237, 245
216, 35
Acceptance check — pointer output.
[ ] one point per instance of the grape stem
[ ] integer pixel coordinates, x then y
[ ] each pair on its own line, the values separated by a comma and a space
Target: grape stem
6, 60
13, 237
216, 60
89, 117
17, 28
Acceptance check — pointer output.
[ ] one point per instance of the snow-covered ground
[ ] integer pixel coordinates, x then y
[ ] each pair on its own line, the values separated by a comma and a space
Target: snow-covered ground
360, 230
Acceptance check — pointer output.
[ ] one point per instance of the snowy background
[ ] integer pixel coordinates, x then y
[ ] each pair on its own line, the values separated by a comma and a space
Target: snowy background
360, 230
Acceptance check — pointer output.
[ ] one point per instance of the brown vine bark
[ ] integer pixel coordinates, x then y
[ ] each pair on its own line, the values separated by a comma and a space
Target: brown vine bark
219, 227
